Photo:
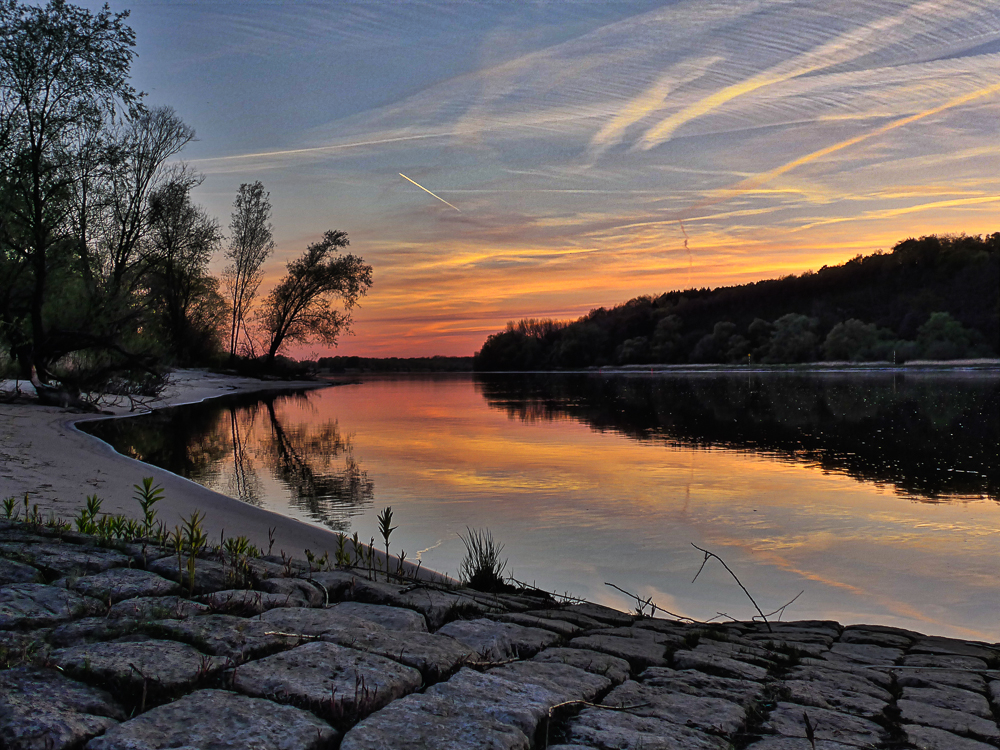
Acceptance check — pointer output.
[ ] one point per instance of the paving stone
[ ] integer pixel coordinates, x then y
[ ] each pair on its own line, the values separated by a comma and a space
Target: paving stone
580, 620
618, 730
300, 593
341, 684
849, 681
649, 634
833, 695
799, 627
418, 722
91, 629
224, 635
523, 602
788, 719
818, 638
995, 693
881, 677
707, 713
244, 602
439, 607
671, 627
693, 682
164, 667
937, 677
40, 708
523, 705
929, 738
560, 627
570, 683
713, 663
15, 572
499, 641
118, 584
157, 608
595, 662
435, 656
315, 622
797, 743
638, 652
219, 720
209, 576
342, 585
57, 560
950, 661
797, 648
33, 605
742, 651
390, 618
863, 653
915, 712
941, 645
863, 634
950, 697
601, 613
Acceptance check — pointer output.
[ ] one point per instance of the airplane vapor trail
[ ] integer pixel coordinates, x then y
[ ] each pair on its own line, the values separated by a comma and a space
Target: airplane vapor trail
687, 249
429, 192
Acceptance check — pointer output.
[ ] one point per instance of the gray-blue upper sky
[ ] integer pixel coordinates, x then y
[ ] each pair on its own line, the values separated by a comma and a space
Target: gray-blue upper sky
573, 144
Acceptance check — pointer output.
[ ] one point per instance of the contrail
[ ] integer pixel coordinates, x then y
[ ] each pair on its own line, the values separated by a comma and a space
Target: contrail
687, 249
428, 191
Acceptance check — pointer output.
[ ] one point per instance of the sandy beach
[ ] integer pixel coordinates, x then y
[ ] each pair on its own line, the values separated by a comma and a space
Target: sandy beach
43, 454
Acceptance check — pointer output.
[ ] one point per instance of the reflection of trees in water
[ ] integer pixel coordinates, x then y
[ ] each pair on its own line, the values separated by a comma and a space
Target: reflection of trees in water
933, 438
316, 462
313, 460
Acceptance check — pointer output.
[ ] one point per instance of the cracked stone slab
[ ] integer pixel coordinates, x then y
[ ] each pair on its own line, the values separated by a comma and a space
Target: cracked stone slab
863, 653
787, 719
338, 683
118, 584
33, 605
440, 607
797, 743
315, 622
570, 683
12, 571
670, 627
875, 637
940, 677
995, 693
560, 627
89, 630
244, 602
498, 641
57, 560
157, 608
638, 652
929, 738
224, 635
693, 682
40, 708
714, 663
953, 646
836, 691
618, 730
914, 712
649, 634
435, 656
595, 662
952, 698
422, 721
970, 663
390, 618
166, 667
576, 618
710, 714
523, 705
219, 720
302, 592
601, 613
881, 677
740, 651
209, 576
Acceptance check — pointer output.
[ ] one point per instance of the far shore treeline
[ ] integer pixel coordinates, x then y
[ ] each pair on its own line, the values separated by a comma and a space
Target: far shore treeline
930, 298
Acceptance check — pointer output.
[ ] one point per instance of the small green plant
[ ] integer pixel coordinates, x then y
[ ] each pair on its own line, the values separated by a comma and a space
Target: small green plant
147, 496
341, 555
195, 540
86, 522
482, 568
385, 528
10, 509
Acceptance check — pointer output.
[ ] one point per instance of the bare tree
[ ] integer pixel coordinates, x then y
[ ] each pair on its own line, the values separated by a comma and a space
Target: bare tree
249, 247
302, 306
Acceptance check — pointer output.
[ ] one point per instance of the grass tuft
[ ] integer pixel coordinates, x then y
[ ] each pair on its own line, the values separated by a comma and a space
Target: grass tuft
482, 569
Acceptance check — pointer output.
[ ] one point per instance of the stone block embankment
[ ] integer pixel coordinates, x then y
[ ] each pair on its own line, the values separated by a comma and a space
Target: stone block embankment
109, 648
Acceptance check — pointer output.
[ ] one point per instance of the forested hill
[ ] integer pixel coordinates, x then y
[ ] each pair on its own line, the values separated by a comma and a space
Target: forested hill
930, 298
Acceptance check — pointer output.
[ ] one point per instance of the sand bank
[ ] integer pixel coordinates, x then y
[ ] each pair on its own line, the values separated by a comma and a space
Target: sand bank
43, 454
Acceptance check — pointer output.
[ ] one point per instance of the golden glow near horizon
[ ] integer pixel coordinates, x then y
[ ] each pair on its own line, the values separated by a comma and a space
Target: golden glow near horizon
582, 140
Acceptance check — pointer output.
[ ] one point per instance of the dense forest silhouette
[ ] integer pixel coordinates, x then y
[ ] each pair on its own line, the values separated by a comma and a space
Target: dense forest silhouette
930, 439
930, 298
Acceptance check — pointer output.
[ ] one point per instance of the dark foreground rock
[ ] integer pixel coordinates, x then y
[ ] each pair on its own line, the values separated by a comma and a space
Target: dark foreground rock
111, 649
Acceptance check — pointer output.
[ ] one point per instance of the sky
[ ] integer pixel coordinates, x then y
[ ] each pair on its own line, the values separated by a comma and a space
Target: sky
575, 155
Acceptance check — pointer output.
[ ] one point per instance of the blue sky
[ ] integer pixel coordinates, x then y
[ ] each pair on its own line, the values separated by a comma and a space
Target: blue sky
573, 145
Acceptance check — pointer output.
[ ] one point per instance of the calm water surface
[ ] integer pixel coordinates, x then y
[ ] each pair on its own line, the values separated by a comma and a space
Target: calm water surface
875, 495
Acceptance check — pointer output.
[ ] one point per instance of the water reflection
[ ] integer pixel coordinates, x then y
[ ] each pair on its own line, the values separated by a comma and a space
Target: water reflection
931, 438
241, 445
